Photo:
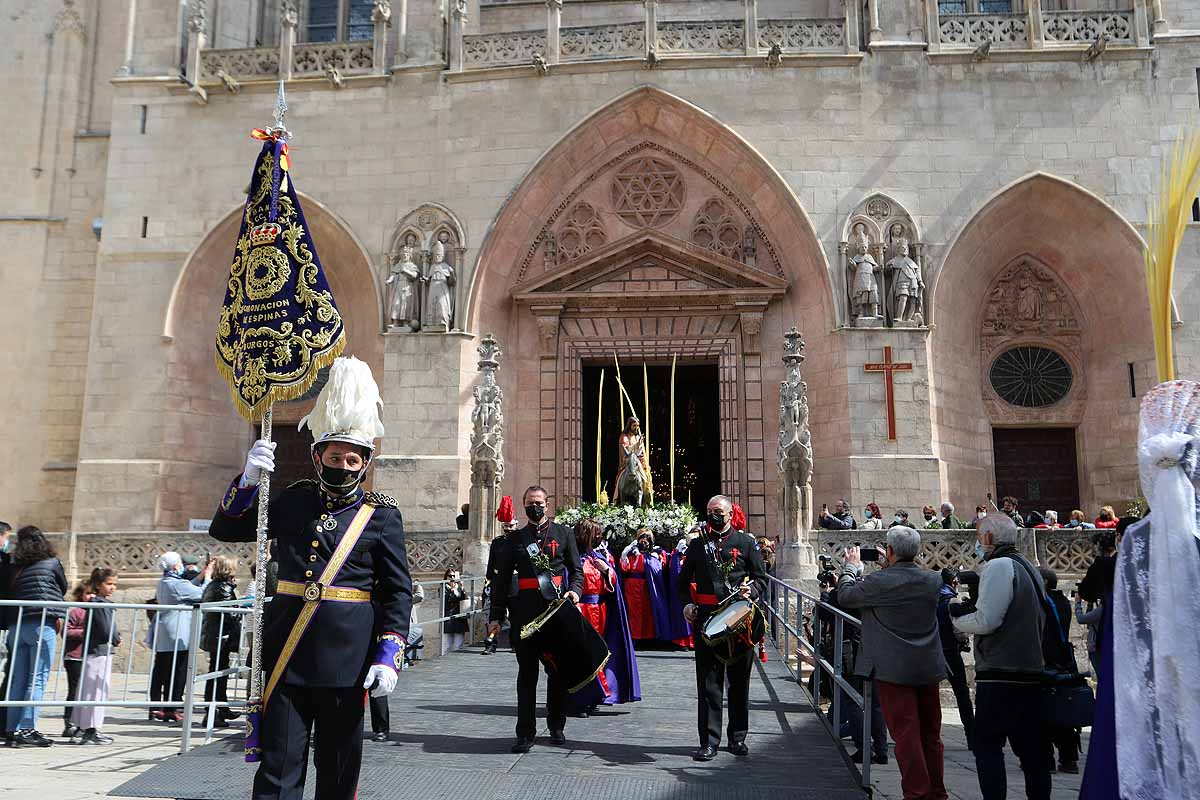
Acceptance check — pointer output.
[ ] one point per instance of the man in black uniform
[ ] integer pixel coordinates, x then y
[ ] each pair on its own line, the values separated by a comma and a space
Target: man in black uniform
354, 640
720, 549
525, 591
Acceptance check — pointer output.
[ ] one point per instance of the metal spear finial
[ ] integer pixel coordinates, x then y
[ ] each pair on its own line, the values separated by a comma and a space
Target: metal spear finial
281, 108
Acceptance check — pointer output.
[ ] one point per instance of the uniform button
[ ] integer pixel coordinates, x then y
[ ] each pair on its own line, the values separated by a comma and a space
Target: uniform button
324, 516
316, 543
312, 557
308, 573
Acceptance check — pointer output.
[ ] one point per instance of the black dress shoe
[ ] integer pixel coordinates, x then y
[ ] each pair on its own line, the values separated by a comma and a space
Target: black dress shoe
379, 736
876, 758
706, 753
739, 748
558, 737
523, 745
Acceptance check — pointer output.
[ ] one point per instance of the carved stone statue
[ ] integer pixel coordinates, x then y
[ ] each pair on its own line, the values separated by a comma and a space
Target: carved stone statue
405, 280
795, 458
864, 289
1029, 300
907, 287
439, 300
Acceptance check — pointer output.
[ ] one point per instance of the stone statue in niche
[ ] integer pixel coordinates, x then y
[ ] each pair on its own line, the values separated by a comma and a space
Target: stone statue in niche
1029, 300
405, 280
864, 288
439, 298
907, 287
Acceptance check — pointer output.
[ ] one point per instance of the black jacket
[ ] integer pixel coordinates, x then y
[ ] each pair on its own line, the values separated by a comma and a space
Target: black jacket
213, 631
99, 628
1057, 650
700, 566
452, 600
340, 643
509, 562
40, 581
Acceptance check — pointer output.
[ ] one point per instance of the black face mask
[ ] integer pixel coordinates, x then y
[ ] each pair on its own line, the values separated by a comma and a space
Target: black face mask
535, 513
716, 521
338, 481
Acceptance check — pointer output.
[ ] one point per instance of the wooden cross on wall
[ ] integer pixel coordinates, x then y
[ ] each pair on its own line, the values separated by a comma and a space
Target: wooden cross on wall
888, 368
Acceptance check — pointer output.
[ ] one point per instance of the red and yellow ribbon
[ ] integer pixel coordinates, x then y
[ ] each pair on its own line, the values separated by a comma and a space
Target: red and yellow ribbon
263, 135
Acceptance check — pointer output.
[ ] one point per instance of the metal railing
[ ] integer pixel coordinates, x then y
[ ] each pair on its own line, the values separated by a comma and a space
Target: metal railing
130, 682
798, 630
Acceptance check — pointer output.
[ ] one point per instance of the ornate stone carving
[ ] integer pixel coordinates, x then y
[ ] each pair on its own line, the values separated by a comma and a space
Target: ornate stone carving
346, 58
647, 192
405, 282
907, 288
603, 42
749, 247
68, 19
582, 232
197, 16
976, 29
722, 36
892, 241
716, 229
501, 49
1028, 299
487, 419
861, 270
549, 250
289, 14
1085, 27
439, 293
382, 12
801, 35
547, 326
751, 323
240, 64
795, 460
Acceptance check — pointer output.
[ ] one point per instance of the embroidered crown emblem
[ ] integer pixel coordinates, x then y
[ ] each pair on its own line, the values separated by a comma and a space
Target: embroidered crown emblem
265, 233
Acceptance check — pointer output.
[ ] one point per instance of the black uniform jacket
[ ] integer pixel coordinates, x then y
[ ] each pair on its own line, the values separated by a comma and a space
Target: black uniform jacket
509, 562
341, 641
700, 566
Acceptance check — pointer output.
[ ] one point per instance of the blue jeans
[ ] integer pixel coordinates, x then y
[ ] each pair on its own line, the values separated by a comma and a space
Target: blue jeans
35, 644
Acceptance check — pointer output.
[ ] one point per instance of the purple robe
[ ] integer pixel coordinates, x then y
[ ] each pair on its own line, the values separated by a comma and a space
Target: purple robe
1100, 780
678, 628
656, 587
621, 671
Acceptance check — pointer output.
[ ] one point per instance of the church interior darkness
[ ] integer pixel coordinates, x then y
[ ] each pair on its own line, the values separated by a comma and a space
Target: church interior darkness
697, 427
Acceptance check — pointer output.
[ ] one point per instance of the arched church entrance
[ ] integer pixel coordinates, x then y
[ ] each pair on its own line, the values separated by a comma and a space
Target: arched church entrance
198, 418
1038, 371
651, 234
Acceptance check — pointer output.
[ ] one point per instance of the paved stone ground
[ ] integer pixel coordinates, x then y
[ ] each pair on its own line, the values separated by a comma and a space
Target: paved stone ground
453, 721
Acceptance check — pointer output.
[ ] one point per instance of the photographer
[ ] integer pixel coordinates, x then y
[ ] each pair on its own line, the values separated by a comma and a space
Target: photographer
954, 644
901, 650
840, 520
1007, 623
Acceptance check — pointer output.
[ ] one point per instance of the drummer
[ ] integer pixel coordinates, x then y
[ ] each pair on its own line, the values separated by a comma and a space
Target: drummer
718, 563
529, 568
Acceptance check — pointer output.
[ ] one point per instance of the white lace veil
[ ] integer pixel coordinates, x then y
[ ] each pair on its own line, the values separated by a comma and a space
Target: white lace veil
1156, 608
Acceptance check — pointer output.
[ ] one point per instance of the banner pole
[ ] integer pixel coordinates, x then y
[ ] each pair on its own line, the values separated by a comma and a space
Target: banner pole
260, 575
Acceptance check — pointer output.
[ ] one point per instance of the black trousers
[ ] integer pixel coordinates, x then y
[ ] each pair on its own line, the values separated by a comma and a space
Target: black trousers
74, 670
962, 694
1066, 741
710, 691
287, 723
853, 715
164, 686
220, 685
1012, 713
528, 665
381, 717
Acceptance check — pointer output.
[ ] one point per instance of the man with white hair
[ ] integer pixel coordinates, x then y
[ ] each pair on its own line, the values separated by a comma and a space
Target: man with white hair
902, 652
1007, 623
170, 634
949, 520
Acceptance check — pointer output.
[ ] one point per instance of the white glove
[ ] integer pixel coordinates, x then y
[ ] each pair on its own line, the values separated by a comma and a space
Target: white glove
386, 677
261, 457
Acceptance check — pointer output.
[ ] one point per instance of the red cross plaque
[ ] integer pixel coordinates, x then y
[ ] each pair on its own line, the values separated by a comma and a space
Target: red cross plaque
888, 367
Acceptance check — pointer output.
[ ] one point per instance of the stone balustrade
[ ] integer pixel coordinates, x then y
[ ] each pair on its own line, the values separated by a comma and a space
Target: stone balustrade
134, 554
1034, 29
1067, 552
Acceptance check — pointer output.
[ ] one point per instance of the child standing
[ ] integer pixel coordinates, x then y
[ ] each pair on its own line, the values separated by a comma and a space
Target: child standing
100, 639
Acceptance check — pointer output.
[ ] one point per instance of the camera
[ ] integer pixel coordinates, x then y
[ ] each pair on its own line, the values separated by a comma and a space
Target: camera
868, 553
826, 574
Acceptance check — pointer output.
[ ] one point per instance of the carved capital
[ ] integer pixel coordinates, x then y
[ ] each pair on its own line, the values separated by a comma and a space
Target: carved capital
197, 16
554, 5
382, 12
289, 15
68, 20
459, 10
751, 323
547, 318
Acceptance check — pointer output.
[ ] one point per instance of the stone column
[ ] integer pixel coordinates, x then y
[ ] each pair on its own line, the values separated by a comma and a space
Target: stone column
126, 67
553, 24
797, 556
1160, 20
401, 33
487, 459
932, 29
850, 22
381, 16
651, 25
874, 32
197, 37
458, 24
751, 27
289, 18
1037, 39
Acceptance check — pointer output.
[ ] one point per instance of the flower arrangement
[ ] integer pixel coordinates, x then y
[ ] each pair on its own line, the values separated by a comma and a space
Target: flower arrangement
663, 519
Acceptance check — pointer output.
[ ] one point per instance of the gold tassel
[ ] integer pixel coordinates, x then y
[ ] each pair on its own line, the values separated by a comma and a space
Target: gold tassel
1168, 218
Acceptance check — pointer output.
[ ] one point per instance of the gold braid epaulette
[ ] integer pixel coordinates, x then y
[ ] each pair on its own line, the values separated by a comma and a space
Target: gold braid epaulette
379, 500
306, 483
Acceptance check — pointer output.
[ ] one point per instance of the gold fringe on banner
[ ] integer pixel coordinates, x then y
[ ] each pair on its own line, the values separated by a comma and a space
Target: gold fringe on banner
1169, 213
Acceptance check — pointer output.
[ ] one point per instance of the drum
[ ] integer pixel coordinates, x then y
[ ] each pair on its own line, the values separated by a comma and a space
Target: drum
734, 628
570, 647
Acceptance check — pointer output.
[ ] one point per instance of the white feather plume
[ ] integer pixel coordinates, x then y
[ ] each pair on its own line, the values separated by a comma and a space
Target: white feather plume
349, 403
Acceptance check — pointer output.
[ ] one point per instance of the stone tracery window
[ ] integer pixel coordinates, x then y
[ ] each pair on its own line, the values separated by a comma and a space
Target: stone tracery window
338, 20
716, 229
647, 192
581, 233
1031, 377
